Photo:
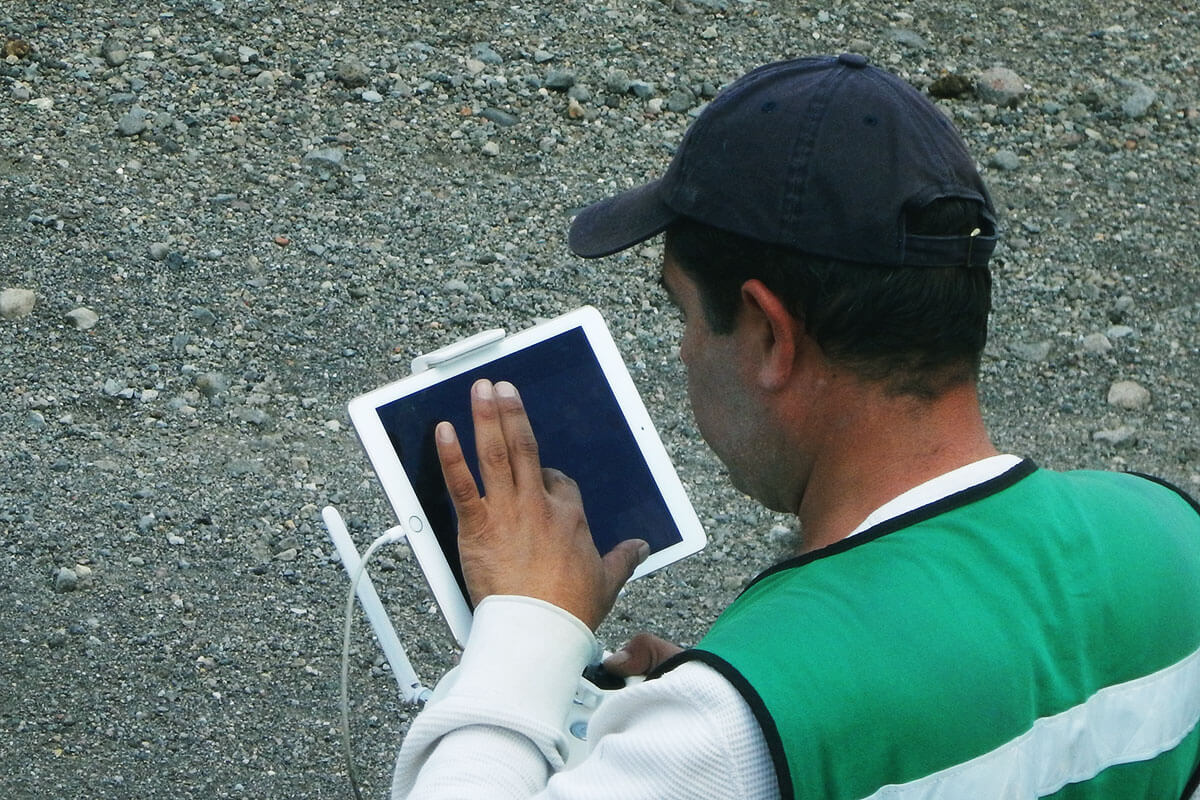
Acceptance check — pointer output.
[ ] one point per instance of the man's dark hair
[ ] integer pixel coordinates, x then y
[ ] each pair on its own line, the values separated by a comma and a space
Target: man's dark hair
919, 330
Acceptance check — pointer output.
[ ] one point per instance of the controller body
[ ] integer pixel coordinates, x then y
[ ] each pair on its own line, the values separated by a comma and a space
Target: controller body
595, 686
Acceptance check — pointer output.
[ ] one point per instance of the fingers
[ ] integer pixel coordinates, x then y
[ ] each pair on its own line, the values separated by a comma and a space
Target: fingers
640, 655
504, 440
460, 483
490, 446
518, 435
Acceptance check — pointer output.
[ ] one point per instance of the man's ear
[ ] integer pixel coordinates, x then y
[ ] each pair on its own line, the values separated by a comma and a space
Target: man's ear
775, 334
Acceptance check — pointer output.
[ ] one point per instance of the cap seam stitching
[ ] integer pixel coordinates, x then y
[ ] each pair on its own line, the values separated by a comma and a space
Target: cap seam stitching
801, 155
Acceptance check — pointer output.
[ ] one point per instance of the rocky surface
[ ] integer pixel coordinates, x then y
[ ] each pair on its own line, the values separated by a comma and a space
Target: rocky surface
221, 219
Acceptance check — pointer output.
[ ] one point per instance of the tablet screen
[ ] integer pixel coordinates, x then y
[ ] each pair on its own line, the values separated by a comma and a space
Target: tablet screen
580, 431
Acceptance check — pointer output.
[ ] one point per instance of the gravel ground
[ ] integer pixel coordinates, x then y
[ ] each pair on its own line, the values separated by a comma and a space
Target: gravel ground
221, 219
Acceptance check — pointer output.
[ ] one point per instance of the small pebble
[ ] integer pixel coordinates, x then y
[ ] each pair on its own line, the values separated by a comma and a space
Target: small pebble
559, 79
352, 74
116, 56
642, 90
1139, 101
325, 157
1117, 437
501, 118
211, 384
254, 416
1097, 344
83, 318
132, 122
203, 317
679, 101
65, 580
908, 39
1005, 160
484, 52
617, 82
1032, 351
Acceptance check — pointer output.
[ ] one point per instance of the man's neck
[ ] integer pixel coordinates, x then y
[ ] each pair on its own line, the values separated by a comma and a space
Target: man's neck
874, 451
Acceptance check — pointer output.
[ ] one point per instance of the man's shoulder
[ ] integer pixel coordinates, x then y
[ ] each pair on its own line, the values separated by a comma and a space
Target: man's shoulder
1129, 485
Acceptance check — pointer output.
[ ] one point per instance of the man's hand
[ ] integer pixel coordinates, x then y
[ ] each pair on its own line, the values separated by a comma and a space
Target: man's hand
527, 535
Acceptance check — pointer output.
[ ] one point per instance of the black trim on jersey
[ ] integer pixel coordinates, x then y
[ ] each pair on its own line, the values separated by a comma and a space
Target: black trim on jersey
971, 494
1194, 781
766, 723
1191, 501
1192, 785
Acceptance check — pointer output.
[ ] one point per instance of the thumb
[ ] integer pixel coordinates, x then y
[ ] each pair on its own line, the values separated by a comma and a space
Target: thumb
622, 560
640, 654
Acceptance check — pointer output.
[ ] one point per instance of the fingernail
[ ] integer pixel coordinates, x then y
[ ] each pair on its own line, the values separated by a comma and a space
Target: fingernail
483, 390
444, 432
643, 552
506, 389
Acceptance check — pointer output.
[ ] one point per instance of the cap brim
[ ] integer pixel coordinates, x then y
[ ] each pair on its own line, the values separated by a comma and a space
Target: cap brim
619, 222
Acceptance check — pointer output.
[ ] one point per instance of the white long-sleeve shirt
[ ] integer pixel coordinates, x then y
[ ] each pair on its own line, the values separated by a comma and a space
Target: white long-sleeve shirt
494, 728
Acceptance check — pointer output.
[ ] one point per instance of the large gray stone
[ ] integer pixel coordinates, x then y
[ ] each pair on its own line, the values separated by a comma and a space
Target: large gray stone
16, 303
1128, 395
1000, 86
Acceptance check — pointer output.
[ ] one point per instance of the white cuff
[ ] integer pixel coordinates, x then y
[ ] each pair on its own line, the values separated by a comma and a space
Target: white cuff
527, 651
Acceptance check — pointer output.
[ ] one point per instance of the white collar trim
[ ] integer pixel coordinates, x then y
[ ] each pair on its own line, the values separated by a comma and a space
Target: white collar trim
943, 485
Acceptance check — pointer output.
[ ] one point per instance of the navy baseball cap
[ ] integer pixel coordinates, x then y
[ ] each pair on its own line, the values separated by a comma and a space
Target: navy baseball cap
824, 155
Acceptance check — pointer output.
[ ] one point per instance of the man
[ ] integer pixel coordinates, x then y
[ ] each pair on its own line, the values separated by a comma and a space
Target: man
960, 624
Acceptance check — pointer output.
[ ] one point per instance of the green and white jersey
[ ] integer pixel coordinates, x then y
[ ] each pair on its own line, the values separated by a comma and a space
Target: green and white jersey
1036, 635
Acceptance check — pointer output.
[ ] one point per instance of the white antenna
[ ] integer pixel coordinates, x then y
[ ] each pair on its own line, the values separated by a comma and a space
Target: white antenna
402, 669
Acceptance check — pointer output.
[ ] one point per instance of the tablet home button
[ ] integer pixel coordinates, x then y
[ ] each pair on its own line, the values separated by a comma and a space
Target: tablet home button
414, 524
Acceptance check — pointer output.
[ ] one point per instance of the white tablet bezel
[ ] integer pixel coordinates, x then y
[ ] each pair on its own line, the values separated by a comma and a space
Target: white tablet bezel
399, 490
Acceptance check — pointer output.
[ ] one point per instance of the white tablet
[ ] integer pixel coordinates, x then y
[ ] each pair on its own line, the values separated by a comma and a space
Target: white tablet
589, 421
